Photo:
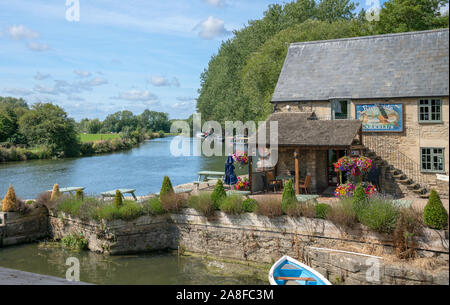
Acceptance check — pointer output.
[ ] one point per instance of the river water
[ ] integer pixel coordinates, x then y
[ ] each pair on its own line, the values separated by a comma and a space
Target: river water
143, 269
142, 168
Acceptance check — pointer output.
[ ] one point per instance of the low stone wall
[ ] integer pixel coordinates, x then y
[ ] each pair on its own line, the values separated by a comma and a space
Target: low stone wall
256, 238
16, 228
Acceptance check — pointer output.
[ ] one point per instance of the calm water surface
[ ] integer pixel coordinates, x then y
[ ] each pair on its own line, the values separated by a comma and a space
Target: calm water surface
145, 269
142, 168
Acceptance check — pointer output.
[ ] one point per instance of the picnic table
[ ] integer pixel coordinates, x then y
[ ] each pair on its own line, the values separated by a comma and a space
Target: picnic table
209, 177
70, 189
123, 191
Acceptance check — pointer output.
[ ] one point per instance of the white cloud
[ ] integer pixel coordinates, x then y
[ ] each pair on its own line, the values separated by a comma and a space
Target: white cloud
47, 90
160, 81
40, 76
185, 98
211, 28
82, 73
97, 81
38, 47
74, 98
217, 3
18, 32
184, 105
136, 95
18, 91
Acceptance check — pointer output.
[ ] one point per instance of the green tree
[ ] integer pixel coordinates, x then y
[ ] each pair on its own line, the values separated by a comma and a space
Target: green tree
48, 124
411, 15
435, 215
94, 126
333, 10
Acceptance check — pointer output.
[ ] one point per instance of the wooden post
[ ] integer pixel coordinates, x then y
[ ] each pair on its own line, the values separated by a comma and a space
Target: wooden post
250, 173
297, 171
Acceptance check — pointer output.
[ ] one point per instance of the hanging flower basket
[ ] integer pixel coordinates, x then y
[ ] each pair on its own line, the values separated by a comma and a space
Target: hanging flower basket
353, 166
241, 158
242, 184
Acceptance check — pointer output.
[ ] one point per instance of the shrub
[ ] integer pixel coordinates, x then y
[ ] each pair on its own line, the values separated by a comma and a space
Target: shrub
107, 212
379, 214
166, 187
130, 210
322, 210
202, 203
294, 209
218, 194
232, 205
250, 205
359, 195
408, 225
55, 193
44, 200
172, 202
342, 214
85, 209
270, 207
435, 215
288, 198
74, 242
10, 203
118, 199
154, 207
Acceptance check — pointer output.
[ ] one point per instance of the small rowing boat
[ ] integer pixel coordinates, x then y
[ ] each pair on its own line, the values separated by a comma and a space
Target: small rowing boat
289, 271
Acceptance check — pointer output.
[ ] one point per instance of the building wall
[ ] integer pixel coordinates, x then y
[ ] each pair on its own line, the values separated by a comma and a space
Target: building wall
414, 136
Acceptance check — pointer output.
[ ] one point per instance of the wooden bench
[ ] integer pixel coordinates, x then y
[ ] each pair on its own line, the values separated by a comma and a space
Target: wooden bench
179, 191
307, 198
69, 189
123, 191
236, 192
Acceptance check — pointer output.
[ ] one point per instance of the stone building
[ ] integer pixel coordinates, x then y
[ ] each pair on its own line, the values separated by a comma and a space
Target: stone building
396, 86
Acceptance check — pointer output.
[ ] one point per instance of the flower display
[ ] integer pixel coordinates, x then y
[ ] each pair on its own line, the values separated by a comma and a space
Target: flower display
356, 166
344, 164
347, 189
241, 158
242, 184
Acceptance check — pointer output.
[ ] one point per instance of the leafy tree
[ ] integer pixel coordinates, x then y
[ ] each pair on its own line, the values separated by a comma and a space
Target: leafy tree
333, 10
7, 126
411, 15
435, 215
48, 124
94, 126
11, 110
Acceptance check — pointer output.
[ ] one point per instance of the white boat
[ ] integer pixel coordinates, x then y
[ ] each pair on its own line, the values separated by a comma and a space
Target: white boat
289, 271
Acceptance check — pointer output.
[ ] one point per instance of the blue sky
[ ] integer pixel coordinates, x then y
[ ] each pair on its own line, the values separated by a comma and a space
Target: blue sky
134, 55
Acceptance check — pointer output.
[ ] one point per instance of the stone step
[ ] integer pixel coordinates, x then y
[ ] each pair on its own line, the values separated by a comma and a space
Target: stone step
425, 196
405, 181
399, 176
413, 186
421, 190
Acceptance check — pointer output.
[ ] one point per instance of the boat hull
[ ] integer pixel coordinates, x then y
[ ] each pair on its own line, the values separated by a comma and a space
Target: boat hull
287, 271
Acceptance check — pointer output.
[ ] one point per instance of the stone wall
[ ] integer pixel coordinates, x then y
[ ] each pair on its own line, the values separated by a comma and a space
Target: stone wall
256, 238
16, 228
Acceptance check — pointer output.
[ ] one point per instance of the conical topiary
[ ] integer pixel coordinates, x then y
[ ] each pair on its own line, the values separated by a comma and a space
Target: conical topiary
10, 201
218, 194
435, 215
166, 188
79, 195
360, 195
289, 197
55, 193
118, 201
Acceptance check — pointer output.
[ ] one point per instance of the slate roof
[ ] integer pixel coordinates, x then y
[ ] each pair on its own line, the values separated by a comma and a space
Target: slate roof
294, 129
414, 64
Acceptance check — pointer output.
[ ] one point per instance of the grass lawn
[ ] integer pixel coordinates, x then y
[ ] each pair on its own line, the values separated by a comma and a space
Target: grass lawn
97, 137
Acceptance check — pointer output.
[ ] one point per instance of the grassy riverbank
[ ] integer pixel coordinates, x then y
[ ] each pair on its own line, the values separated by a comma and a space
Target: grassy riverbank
90, 144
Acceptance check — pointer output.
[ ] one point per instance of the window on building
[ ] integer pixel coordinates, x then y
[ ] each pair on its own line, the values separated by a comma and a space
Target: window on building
430, 110
432, 160
340, 110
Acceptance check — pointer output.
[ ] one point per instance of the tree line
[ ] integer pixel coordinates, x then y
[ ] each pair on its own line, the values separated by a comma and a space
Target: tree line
48, 125
240, 79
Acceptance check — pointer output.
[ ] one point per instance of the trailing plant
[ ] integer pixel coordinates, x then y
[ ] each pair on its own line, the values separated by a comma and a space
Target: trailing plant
218, 194
74, 242
435, 215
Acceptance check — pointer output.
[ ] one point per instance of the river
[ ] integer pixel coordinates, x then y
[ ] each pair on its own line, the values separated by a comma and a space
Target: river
142, 168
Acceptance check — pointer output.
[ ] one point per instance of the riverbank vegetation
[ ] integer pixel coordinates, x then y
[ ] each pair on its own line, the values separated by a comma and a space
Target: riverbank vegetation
44, 131
244, 72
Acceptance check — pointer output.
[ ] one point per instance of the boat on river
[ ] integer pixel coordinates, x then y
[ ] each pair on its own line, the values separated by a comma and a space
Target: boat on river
289, 271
